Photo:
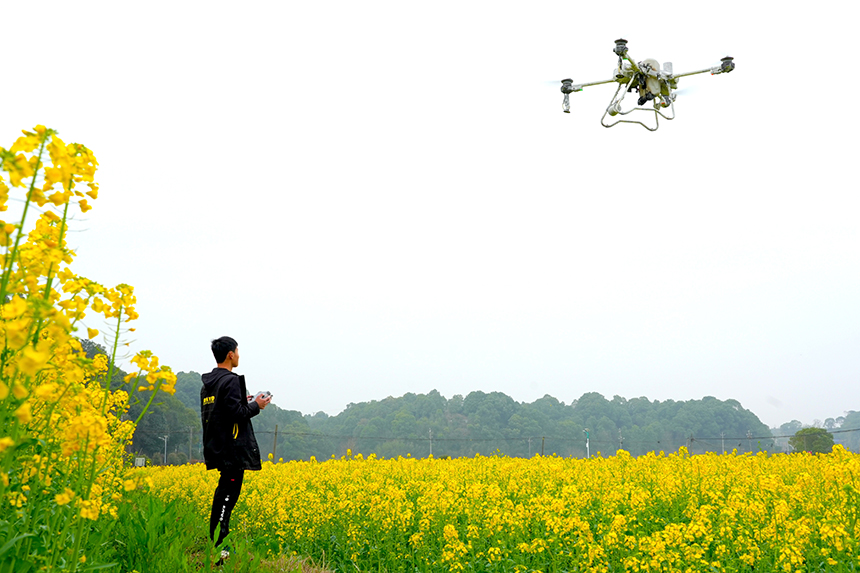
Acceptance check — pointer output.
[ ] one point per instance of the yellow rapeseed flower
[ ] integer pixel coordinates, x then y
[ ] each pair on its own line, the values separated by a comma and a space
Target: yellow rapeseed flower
6, 442
89, 509
23, 413
57, 198
15, 307
32, 361
46, 391
27, 143
100, 363
17, 332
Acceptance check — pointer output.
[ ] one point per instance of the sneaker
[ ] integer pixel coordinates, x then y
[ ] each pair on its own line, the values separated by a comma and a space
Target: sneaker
225, 553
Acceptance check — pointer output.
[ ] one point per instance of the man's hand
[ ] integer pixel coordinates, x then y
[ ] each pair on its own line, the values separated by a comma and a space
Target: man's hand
263, 402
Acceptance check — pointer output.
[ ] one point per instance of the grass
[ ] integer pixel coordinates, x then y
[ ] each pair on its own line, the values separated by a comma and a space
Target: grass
151, 536
292, 564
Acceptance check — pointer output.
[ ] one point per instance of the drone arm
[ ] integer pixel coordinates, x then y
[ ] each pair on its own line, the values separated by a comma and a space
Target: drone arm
633, 65
726, 65
594, 84
568, 87
694, 73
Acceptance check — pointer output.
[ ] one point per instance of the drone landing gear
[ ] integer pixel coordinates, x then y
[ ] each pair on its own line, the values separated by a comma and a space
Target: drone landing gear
614, 108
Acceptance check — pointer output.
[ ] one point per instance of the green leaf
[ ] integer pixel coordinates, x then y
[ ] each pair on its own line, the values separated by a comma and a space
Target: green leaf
101, 566
13, 541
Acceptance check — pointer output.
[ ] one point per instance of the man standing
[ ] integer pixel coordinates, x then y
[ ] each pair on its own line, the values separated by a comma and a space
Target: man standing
229, 444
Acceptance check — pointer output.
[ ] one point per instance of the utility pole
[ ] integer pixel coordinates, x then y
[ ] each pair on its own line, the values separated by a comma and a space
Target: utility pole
165, 448
431, 442
542, 440
530, 447
620, 438
587, 450
275, 445
723, 441
749, 438
190, 437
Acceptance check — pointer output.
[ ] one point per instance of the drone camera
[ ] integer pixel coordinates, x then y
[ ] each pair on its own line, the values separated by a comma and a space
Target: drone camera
727, 64
620, 47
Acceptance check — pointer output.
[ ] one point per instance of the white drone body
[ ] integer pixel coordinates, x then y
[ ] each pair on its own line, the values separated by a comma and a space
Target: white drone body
653, 84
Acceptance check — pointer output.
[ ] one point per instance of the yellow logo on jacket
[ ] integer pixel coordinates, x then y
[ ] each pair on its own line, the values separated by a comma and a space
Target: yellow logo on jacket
208, 400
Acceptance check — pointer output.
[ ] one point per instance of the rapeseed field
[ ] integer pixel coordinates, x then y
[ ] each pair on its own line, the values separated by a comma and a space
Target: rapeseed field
666, 513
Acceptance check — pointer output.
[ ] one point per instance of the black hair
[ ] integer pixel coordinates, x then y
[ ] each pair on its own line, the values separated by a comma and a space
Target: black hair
221, 347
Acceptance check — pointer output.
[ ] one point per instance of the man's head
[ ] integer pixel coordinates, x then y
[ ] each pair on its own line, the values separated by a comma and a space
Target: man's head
225, 349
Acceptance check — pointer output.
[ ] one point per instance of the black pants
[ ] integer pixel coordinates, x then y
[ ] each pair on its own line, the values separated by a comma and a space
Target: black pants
226, 494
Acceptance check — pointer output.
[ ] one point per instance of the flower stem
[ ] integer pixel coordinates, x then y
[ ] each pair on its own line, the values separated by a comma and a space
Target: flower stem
109, 375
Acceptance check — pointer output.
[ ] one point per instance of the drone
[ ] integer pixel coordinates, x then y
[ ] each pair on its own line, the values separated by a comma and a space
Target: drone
653, 85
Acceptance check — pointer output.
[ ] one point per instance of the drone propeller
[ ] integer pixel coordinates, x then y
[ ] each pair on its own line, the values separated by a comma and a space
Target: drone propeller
686, 90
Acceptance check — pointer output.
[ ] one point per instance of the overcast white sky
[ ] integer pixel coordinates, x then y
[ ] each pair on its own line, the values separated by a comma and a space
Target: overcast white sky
376, 198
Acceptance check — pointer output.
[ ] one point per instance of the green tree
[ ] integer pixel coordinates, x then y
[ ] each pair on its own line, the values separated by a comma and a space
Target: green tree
176, 459
483, 422
167, 417
814, 440
188, 386
850, 440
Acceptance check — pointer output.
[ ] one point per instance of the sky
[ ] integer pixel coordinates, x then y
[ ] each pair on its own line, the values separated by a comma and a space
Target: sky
376, 198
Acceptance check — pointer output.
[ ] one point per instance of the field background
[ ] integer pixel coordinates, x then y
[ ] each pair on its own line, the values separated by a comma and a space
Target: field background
658, 512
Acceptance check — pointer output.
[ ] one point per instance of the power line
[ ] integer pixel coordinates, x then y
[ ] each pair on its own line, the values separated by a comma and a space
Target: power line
502, 438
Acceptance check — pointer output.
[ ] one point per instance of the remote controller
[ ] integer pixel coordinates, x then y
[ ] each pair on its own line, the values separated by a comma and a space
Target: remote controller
258, 394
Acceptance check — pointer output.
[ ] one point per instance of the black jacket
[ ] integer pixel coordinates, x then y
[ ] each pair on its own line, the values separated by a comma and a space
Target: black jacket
228, 435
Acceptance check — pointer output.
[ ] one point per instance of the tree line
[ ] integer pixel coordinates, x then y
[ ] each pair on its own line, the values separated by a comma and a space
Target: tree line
490, 423
478, 423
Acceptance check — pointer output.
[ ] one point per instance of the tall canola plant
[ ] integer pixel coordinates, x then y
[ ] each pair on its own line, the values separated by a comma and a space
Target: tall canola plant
63, 428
